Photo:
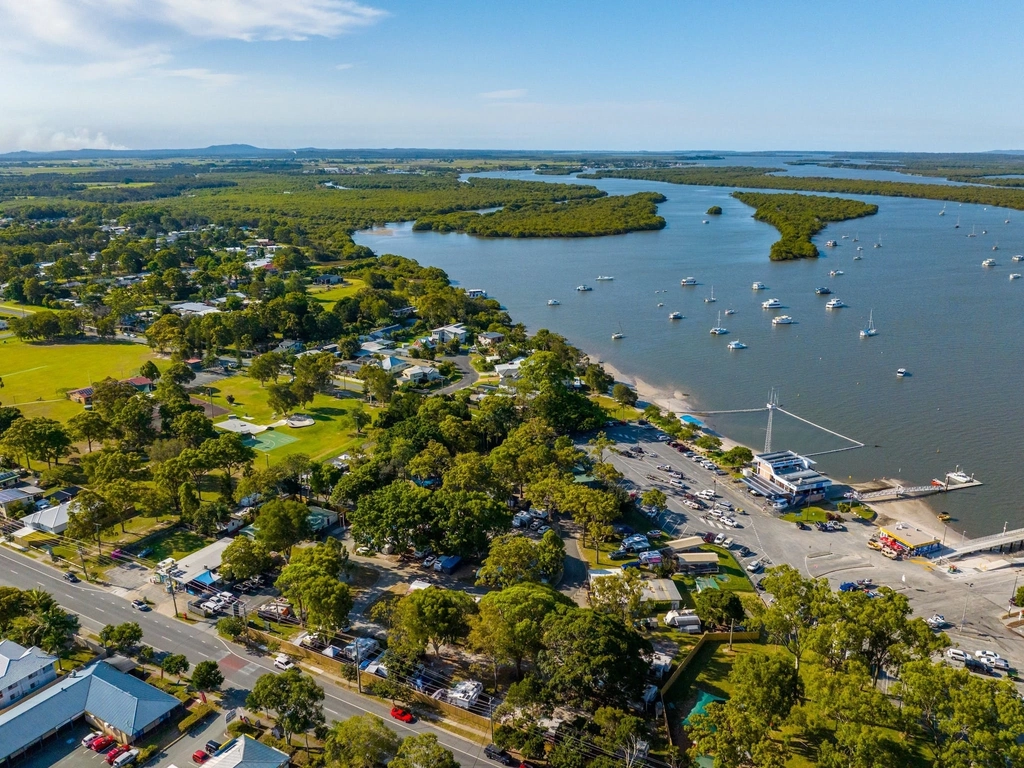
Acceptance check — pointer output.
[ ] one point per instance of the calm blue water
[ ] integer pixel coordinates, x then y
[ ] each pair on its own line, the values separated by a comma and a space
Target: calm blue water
956, 326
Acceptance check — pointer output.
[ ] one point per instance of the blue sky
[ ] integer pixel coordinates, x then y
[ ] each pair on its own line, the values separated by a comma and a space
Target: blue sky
519, 75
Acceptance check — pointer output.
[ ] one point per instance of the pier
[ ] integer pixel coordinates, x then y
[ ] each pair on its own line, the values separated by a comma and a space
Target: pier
1007, 541
954, 481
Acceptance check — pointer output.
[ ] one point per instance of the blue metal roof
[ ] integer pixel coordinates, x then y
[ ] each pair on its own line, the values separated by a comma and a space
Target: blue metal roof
124, 702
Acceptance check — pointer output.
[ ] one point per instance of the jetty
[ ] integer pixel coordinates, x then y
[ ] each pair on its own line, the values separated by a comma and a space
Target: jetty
1005, 542
954, 481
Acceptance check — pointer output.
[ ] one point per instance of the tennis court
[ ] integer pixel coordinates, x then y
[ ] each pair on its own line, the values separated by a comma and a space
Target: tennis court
269, 440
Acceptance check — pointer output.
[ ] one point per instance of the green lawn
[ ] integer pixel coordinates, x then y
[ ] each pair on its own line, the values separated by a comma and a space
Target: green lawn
334, 432
32, 373
807, 515
731, 575
329, 296
174, 542
616, 411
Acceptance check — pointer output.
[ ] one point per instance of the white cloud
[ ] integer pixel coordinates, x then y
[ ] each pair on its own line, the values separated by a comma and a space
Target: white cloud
264, 19
342, 67
46, 140
202, 75
512, 93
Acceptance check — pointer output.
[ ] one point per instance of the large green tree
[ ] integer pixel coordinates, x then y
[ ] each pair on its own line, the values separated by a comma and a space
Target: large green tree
362, 741
434, 615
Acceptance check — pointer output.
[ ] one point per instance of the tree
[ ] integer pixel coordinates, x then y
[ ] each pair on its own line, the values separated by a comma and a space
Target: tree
294, 697
600, 444
431, 462
423, 751
378, 384
361, 419
150, 371
89, 516
708, 442
618, 595
281, 524
122, 637
597, 379
362, 741
179, 373
265, 367
207, 676
591, 657
395, 515
8, 415
654, 498
766, 687
737, 455
174, 664
244, 558
624, 396
620, 733
281, 398
793, 613
193, 428
508, 626
437, 616
89, 426
328, 603
512, 559
718, 607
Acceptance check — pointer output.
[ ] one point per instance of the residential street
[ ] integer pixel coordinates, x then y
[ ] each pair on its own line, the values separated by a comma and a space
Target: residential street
96, 607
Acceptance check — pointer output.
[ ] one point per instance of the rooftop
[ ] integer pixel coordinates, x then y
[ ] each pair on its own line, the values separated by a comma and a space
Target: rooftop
245, 752
909, 535
661, 590
206, 559
18, 662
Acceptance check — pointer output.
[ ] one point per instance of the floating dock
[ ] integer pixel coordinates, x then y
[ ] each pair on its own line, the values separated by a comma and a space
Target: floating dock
954, 481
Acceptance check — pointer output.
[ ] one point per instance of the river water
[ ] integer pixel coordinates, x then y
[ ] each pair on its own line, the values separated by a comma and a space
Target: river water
956, 326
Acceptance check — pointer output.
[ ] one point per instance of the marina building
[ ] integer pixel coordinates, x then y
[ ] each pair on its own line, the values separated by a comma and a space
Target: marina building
787, 474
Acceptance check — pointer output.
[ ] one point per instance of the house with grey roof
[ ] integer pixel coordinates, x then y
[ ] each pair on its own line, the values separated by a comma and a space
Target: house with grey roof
246, 752
52, 519
22, 670
118, 704
13, 498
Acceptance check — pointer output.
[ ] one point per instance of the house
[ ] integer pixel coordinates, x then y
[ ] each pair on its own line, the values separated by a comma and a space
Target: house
376, 347
697, 562
321, 519
448, 332
392, 364
9, 478
509, 371
908, 540
12, 499
83, 395
476, 293
246, 752
200, 567
661, 591
53, 520
403, 312
489, 338
141, 383
464, 693
194, 364
787, 474
22, 670
118, 704
328, 280
193, 309
421, 374
289, 347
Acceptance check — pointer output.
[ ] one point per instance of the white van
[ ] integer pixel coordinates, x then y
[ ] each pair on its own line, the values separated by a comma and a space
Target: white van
126, 759
955, 654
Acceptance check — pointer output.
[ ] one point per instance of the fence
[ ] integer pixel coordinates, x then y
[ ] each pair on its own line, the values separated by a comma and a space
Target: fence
712, 637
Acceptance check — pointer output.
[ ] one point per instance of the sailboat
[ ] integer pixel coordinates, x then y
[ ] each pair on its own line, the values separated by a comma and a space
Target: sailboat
943, 211
972, 232
957, 222
618, 334
856, 237
711, 299
879, 243
870, 330
718, 330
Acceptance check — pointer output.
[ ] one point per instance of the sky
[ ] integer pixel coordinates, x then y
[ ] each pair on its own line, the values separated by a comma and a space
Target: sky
566, 75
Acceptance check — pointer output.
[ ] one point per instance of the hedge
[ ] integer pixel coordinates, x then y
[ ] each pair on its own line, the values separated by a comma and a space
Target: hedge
197, 716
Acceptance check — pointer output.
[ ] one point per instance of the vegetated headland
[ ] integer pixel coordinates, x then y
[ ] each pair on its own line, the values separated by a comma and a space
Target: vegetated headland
762, 178
593, 217
799, 217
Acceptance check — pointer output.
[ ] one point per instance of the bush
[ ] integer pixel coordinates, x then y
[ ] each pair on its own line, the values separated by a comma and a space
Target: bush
232, 627
197, 715
238, 728
146, 753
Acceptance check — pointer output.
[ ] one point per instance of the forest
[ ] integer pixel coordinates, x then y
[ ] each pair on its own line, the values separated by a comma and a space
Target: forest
576, 218
799, 217
762, 178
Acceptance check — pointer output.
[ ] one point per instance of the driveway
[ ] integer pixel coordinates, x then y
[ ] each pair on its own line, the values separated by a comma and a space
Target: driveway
469, 374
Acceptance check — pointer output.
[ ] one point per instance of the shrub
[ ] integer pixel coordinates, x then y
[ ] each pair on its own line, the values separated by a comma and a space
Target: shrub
197, 715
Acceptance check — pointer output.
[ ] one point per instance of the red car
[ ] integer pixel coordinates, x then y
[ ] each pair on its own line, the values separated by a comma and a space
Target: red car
200, 756
402, 714
101, 743
116, 752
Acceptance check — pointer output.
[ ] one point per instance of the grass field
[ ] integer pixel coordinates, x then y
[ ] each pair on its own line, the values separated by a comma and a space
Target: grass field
616, 411
334, 431
806, 515
731, 576
329, 296
32, 373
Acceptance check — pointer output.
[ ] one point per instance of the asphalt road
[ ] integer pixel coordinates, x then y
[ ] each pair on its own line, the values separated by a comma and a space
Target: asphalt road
96, 607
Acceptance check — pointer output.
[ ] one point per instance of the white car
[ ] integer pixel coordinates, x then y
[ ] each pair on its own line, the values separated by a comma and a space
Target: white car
543, 529
955, 654
283, 661
755, 566
987, 656
720, 539
664, 467
728, 522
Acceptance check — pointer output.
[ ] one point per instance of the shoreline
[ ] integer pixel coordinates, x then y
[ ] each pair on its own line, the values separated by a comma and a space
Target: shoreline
915, 511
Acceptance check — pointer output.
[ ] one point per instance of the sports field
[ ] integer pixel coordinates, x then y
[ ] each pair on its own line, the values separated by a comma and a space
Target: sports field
270, 440
330, 295
33, 373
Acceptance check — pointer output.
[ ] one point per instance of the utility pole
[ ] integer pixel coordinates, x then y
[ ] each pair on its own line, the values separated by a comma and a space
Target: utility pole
359, 672
174, 602
963, 618
81, 554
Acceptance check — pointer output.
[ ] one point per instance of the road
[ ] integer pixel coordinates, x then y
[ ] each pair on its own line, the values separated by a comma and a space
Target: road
96, 607
977, 598
469, 374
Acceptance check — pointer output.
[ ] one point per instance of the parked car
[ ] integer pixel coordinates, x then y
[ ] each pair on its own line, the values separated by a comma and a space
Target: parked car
619, 554
281, 661
543, 529
745, 552
402, 714
979, 666
1002, 664
212, 746
729, 522
91, 738
623, 530
801, 525
126, 758
71, 578
655, 533
665, 467
199, 756
755, 567
986, 656
428, 561
116, 752
709, 538
498, 755
720, 539
140, 605
955, 654
100, 744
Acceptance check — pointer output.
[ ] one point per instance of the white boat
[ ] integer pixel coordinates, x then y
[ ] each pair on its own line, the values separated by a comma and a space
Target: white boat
996, 246
870, 330
661, 303
675, 315
553, 302
704, 221
1019, 257
711, 299
823, 291
858, 257
879, 243
688, 281
831, 243
718, 330
759, 286
782, 320
771, 304
988, 263
973, 234
584, 288
835, 304
618, 334
984, 231
1006, 221
604, 277
836, 273
943, 211
846, 237
730, 311
901, 372
736, 345
856, 237
957, 222
1015, 276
